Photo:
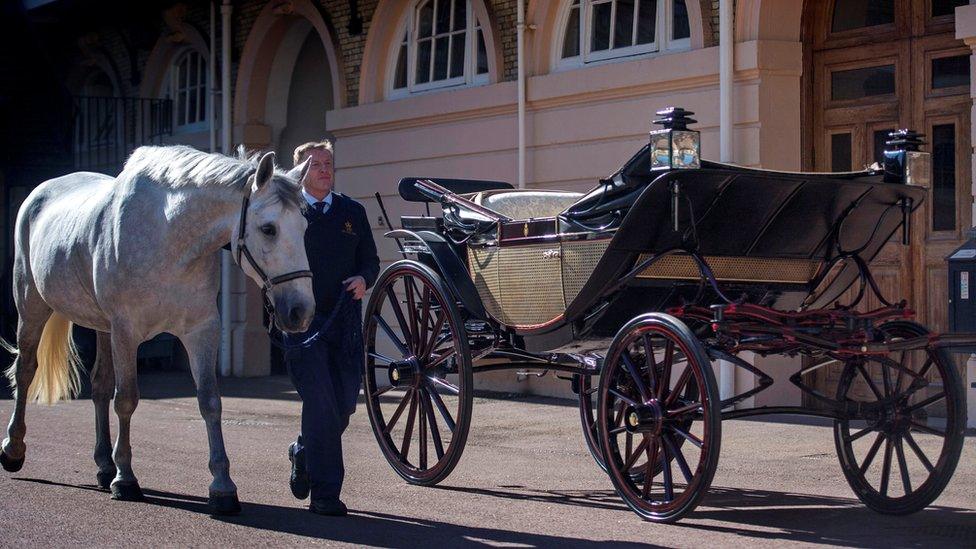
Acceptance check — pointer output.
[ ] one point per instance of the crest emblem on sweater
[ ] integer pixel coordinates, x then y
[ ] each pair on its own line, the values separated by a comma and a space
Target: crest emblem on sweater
348, 228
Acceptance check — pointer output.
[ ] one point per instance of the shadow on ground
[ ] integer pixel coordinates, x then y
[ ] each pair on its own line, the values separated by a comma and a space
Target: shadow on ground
764, 515
360, 527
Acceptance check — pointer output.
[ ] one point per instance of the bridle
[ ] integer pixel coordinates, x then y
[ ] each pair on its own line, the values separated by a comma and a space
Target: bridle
267, 283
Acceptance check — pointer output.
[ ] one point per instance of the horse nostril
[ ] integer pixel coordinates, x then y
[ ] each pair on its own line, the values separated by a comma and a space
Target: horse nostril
296, 315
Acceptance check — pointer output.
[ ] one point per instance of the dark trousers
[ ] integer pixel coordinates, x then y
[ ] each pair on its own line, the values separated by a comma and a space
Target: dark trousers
327, 375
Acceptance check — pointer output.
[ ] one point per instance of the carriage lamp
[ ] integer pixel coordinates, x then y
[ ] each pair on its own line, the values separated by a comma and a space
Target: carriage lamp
903, 162
675, 146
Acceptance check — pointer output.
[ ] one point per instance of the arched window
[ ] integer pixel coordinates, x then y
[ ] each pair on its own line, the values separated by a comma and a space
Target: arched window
597, 30
187, 86
442, 45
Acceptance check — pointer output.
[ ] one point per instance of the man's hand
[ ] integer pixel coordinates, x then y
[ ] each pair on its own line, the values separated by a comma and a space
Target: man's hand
356, 285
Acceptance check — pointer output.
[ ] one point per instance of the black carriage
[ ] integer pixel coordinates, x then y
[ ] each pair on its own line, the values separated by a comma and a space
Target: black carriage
634, 288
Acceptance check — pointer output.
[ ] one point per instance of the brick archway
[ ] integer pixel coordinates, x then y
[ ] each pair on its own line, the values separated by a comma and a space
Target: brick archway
271, 40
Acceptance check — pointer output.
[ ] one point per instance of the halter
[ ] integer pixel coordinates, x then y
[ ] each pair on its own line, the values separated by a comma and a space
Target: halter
267, 283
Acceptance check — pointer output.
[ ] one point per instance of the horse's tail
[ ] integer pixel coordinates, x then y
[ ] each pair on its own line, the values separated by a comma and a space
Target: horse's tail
58, 374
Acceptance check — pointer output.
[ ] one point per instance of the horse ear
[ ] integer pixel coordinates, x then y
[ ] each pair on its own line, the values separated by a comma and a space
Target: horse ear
298, 172
265, 170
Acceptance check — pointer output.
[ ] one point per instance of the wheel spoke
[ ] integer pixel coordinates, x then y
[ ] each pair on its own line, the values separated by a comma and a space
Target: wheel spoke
407, 398
422, 419
859, 434
886, 379
901, 372
622, 397
666, 469
412, 314
389, 332
440, 359
867, 377
651, 363
635, 374
925, 368
615, 431
906, 482
918, 452
382, 390
435, 333
408, 433
398, 312
445, 384
886, 468
869, 457
435, 433
679, 458
378, 356
926, 429
689, 437
678, 387
424, 319
632, 457
666, 370
691, 407
652, 453
927, 402
439, 402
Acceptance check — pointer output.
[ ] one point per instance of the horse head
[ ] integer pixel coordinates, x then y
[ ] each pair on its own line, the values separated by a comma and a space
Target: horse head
272, 243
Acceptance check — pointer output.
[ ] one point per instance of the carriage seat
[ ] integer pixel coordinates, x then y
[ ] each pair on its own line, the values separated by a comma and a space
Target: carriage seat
527, 204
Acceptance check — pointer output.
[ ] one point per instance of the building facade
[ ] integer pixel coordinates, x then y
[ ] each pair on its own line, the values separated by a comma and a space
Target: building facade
429, 87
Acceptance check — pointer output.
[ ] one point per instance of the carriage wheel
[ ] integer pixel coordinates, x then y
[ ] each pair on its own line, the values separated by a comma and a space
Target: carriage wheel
661, 373
918, 431
418, 373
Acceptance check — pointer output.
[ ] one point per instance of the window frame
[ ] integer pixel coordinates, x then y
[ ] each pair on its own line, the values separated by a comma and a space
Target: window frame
663, 37
171, 91
408, 31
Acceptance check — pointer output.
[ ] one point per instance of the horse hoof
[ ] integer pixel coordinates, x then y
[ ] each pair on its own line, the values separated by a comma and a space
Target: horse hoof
9, 464
224, 504
105, 479
127, 491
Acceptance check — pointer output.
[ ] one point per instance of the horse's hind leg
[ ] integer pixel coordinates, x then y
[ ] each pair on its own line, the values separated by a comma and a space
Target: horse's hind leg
103, 385
125, 486
34, 313
201, 348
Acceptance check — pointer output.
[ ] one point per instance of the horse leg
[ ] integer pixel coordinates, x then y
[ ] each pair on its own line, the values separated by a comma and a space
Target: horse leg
34, 313
201, 345
124, 487
103, 383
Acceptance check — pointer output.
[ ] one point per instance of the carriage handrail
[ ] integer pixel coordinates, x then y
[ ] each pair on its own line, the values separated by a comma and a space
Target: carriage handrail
446, 196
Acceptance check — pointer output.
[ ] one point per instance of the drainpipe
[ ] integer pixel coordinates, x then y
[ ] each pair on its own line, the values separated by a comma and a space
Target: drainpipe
725, 63
520, 60
212, 77
225, 260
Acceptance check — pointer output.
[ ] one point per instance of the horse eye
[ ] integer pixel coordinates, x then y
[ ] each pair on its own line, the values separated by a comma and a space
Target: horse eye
268, 229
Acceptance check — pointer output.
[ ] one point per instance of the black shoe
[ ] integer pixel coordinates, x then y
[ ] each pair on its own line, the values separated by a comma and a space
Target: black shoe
330, 508
299, 475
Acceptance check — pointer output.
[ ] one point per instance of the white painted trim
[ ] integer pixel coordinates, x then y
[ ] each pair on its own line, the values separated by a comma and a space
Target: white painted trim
586, 58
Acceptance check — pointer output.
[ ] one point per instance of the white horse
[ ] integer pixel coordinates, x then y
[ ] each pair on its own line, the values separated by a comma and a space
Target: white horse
137, 255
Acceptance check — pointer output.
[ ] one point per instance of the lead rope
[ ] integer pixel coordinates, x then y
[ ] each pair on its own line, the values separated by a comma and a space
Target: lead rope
274, 335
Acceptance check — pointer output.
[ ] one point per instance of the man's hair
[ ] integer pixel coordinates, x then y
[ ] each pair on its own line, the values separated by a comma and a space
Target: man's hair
303, 150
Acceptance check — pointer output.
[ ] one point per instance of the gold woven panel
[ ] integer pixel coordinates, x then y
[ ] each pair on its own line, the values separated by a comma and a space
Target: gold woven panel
742, 269
519, 285
579, 260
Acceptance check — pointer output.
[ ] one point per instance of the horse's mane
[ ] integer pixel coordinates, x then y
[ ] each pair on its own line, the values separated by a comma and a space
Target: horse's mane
180, 166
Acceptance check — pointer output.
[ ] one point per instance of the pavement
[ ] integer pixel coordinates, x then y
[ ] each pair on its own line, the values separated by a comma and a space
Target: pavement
525, 480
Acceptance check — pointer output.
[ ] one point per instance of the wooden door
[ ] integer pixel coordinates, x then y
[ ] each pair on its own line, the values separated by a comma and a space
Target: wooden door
879, 65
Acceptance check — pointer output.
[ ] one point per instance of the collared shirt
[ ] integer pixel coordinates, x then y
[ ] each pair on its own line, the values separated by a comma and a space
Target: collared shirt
312, 200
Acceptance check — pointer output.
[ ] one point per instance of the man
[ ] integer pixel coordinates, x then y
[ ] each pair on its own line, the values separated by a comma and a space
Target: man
327, 373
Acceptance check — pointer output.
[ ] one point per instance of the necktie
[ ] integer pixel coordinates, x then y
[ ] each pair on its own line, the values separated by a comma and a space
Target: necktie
319, 207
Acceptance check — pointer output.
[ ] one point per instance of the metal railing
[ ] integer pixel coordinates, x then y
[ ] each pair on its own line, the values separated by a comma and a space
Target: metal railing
107, 129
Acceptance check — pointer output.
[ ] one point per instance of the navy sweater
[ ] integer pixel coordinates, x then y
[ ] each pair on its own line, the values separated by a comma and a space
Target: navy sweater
339, 244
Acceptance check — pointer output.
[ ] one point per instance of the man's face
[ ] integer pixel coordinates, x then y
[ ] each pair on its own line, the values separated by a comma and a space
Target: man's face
321, 174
